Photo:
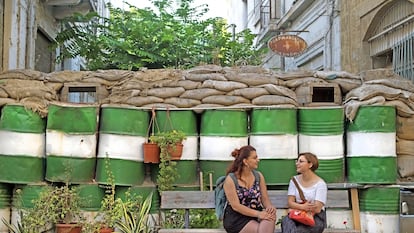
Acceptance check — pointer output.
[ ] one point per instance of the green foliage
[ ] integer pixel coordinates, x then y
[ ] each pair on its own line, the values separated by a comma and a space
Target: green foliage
203, 218
135, 220
172, 37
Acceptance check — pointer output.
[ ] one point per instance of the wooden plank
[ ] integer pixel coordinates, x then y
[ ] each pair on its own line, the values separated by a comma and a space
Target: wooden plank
205, 199
355, 209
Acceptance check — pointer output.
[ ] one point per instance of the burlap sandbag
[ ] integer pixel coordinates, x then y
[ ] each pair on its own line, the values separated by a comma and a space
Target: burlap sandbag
101, 81
182, 102
225, 86
279, 90
130, 84
252, 79
405, 127
368, 91
201, 93
66, 76
398, 83
201, 107
405, 165
225, 100
351, 106
26, 74
247, 69
249, 92
205, 69
112, 75
4, 101
405, 147
265, 100
19, 89
164, 92
346, 84
36, 104
204, 76
143, 100
402, 108
294, 83
3, 93
331, 75
186, 84
154, 75
294, 74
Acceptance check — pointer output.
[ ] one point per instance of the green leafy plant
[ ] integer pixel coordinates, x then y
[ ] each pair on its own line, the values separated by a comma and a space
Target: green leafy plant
135, 220
167, 173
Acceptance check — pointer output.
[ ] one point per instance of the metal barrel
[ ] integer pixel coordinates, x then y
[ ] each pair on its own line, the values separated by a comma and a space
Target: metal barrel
273, 132
22, 145
371, 145
380, 205
221, 131
321, 132
122, 132
186, 121
71, 140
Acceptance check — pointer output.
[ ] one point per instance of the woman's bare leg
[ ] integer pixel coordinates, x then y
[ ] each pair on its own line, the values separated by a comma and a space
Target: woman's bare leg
251, 227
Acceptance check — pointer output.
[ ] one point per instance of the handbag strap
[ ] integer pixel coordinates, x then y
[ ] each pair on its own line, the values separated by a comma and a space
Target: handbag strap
299, 189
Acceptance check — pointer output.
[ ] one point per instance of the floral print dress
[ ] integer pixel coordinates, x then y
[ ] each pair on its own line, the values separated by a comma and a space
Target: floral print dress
233, 221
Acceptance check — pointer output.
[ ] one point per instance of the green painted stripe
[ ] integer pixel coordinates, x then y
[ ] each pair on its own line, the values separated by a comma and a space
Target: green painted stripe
76, 120
91, 196
321, 121
21, 169
23, 195
379, 200
70, 169
273, 121
127, 121
140, 191
125, 172
223, 123
331, 170
285, 168
18, 119
374, 119
185, 121
187, 171
217, 168
372, 170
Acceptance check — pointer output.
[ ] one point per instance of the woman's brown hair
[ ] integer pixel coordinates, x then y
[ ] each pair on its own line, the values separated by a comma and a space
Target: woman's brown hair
239, 154
313, 159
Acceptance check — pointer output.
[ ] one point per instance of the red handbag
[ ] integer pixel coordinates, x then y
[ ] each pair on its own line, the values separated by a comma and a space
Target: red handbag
301, 216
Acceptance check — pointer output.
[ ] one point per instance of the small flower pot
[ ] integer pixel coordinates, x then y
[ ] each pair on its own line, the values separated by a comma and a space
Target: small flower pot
68, 228
175, 151
151, 153
106, 230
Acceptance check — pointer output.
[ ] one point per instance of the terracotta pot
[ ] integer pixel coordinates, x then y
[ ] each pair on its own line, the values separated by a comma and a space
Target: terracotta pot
68, 228
151, 153
176, 151
106, 230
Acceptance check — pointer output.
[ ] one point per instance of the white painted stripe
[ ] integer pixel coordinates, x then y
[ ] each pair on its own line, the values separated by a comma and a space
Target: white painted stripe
325, 147
220, 148
14, 143
70, 145
117, 146
371, 222
371, 144
283, 146
190, 148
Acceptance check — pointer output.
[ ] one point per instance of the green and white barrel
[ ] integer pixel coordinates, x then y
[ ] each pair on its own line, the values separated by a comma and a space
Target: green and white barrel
221, 131
71, 141
273, 132
371, 145
91, 196
22, 145
126, 193
122, 132
186, 121
379, 208
321, 132
5, 203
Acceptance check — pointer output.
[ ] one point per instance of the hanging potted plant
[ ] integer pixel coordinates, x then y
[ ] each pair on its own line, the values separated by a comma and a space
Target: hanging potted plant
171, 142
150, 148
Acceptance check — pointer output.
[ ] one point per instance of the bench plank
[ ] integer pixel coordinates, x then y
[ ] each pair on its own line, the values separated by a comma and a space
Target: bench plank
206, 200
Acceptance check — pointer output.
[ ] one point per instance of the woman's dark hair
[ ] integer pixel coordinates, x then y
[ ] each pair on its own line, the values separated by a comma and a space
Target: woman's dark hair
239, 154
313, 159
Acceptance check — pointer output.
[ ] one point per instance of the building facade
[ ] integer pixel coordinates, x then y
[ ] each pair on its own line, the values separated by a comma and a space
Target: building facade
347, 35
29, 27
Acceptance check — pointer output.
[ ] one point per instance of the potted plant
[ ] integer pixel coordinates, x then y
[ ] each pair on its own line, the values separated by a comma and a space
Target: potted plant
171, 142
150, 148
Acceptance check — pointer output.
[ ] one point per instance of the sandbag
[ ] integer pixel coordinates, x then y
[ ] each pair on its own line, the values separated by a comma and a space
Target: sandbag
294, 83
204, 76
249, 92
201, 93
405, 127
252, 79
143, 100
164, 92
225, 100
225, 86
182, 102
405, 165
265, 100
205, 69
405, 147
280, 90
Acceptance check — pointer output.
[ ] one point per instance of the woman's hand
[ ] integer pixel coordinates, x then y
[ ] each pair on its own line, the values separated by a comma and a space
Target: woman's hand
265, 215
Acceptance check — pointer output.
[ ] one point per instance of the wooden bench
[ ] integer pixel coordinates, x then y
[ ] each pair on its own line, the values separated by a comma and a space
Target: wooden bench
338, 197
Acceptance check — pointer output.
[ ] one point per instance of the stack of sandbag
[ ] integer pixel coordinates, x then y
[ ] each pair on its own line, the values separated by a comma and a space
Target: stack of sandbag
207, 86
